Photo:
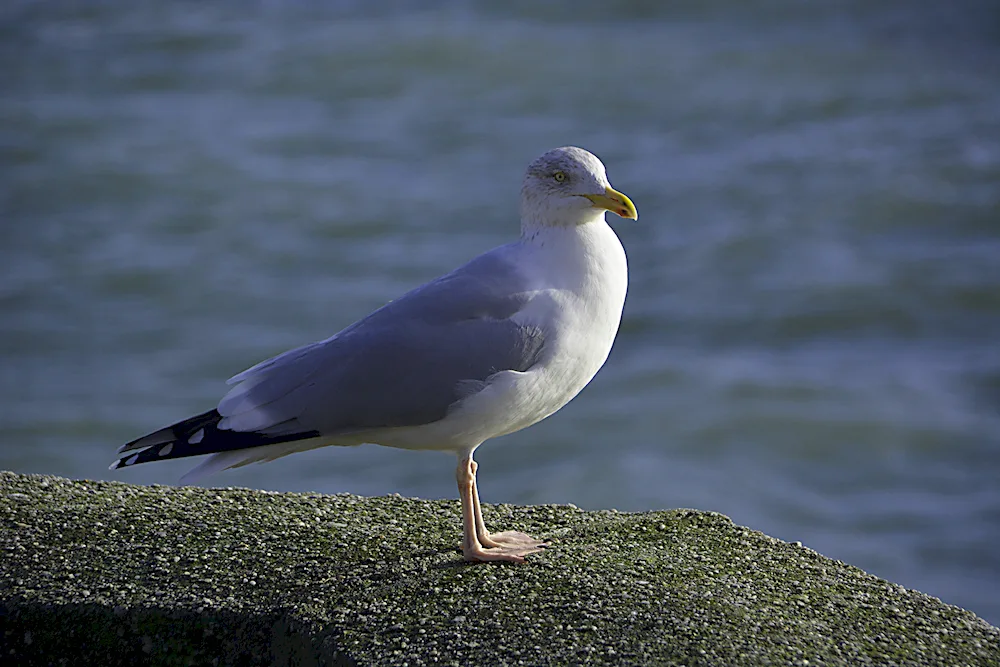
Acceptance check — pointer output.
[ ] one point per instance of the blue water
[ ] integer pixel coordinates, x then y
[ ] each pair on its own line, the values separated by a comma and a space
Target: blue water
810, 343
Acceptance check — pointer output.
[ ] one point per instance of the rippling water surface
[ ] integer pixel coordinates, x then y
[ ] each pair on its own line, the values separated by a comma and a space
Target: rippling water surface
811, 342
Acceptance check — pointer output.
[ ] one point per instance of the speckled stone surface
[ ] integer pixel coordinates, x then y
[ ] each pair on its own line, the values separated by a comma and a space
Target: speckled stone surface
98, 573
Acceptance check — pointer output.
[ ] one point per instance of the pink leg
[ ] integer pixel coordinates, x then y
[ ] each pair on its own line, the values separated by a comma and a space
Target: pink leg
506, 538
477, 543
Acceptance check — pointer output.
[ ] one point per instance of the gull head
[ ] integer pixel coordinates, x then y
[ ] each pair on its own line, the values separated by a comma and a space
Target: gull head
567, 187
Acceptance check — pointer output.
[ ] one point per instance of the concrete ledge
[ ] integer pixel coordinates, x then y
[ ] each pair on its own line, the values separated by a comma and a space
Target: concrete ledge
97, 573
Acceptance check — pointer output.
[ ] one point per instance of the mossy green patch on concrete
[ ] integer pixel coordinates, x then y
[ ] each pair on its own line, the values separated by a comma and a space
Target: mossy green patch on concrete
101, 573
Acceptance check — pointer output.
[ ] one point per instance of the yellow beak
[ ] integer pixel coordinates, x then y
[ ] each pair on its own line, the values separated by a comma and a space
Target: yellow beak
616, 202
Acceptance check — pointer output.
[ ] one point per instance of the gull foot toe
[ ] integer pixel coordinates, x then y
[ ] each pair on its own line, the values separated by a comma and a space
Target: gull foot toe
513, 538
511, 553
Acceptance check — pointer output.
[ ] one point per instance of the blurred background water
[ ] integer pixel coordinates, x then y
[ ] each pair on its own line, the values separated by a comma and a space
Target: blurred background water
811, 342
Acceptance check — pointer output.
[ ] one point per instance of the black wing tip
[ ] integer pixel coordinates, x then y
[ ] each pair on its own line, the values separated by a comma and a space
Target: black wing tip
129, 460
168, 435
159, 444
195, 436
157, 452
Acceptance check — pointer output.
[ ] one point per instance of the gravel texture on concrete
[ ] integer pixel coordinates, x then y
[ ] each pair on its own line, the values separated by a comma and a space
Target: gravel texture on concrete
101, 573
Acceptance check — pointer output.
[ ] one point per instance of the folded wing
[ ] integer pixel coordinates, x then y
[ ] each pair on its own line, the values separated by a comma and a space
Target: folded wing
406, 364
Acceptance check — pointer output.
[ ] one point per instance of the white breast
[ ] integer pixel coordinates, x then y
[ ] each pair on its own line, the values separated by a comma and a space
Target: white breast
582, 276
587, 271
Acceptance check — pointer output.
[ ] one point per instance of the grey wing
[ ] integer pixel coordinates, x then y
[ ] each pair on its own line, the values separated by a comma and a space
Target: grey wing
405, 364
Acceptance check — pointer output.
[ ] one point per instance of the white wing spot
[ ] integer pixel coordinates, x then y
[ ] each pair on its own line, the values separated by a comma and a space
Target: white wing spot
132, 459
166, 450
197, 437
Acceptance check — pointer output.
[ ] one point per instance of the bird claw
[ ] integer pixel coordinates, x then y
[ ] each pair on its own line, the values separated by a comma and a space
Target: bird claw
511, 554
511, 538
510, 546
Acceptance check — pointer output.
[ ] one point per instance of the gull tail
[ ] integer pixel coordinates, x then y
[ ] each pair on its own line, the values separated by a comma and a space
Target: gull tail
201, 435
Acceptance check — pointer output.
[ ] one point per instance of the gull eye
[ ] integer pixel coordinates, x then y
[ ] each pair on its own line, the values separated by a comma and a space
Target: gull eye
559, 176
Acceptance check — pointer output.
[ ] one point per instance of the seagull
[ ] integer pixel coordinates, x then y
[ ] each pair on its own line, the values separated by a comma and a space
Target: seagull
496, 345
